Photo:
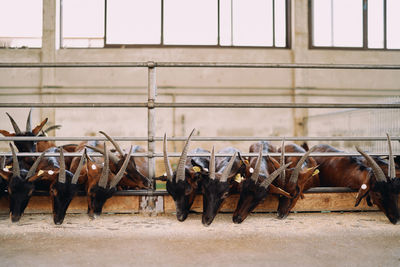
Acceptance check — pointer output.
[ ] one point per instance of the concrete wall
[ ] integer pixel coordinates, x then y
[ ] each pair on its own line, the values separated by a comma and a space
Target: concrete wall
197, 85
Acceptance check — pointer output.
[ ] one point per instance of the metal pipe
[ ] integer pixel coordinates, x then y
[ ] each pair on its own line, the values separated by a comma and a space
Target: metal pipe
200, 105
198, 138
198, 65
151, 120
175, 154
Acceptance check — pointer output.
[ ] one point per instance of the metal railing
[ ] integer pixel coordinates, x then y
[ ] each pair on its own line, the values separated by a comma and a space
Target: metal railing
152, 104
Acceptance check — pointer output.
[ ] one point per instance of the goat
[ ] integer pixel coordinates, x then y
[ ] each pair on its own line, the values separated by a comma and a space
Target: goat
20, 184
256, 186
219, 183
302, 175
370, 182
101, 184
25, 146
182, 184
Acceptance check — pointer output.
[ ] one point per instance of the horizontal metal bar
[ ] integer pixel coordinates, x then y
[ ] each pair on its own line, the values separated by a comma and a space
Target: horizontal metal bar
176, 154
197, 65
200, 105
199, 138
165, 193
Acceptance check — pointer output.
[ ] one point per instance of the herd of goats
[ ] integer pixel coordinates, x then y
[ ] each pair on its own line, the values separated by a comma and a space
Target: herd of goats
215, 177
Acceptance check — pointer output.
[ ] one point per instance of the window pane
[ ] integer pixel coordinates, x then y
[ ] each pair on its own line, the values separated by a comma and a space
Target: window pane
252, 22
128, 22
375, 24
190, 22
280, 23
347, 23
322, 22
21, 23
393, 24
225, 22
83, 23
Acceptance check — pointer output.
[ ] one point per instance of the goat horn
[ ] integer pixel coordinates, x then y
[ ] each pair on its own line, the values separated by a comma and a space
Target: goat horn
256, 172
379, 175
167, 164
227, 170
78, 170
296, 171
275, 174
120, 173
14, 124
51, 128
117, 147
392, 167
112, 157
28, 121
180, 171
282, 175
106, 169
61, 174
16, 171
211, 167
2, 162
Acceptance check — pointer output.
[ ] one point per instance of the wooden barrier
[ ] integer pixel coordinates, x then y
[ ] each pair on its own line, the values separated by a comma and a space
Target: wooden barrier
131, 204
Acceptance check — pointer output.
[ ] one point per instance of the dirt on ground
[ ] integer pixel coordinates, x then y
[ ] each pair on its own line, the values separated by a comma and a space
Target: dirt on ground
303, 239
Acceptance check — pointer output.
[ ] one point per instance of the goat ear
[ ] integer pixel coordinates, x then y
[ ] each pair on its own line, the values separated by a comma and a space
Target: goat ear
307, 174
188, 189
272, 189
6, 133
38, 128
6, 175
363, 192
47, 175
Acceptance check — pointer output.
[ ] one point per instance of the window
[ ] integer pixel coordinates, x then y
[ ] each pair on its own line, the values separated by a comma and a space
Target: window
368, 24
110, 23
21, 23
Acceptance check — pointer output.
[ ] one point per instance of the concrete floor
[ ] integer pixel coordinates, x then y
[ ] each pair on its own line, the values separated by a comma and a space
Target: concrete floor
303, 239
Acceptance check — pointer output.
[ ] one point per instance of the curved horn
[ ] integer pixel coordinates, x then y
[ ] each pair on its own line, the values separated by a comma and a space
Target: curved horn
167, 164
296, 171
275, 174
180, 171
78, 170
33, 168
112, 157
14, 124
227, 170
29, 121
51, 128
379, 175
211, 167
16, 171
120, 173
106, 169
2, 162
117, 147
392, 167
282, 175
61, 174
256, 172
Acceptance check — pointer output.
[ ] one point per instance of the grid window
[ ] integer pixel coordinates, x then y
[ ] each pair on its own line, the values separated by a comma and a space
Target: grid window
368, 24
21, 23
174, 22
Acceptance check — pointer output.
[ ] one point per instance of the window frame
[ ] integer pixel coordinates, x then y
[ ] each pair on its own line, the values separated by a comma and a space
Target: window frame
162, 45
364, 46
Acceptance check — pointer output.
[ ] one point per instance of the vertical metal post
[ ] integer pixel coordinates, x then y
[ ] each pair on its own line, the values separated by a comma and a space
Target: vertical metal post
151, 120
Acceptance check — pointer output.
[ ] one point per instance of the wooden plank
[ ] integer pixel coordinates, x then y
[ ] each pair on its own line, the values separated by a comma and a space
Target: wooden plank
311, 202
42, 204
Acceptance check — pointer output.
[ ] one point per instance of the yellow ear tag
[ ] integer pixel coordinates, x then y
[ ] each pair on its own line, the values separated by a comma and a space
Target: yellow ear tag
315, 172
196, 169
238, 178
8, 166
40, 172
246, 161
